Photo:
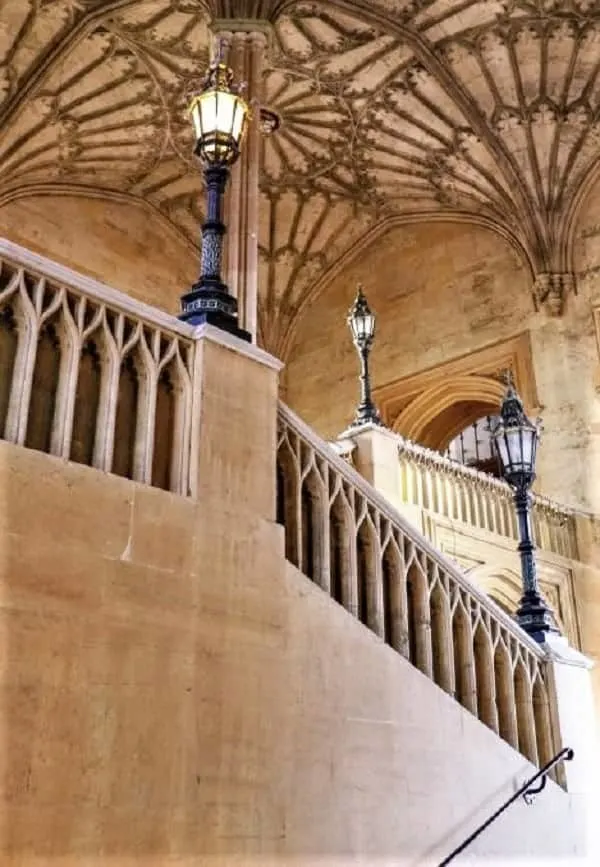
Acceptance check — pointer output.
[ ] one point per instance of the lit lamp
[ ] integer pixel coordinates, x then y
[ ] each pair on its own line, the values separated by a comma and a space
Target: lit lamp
361, 321
219, 117
516, 439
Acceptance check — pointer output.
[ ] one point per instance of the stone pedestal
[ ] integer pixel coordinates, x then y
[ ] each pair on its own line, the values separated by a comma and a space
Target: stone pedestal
375, 457
234, 427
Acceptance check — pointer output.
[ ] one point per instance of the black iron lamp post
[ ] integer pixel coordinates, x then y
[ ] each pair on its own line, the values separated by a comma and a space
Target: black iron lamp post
361, 321
219, 116
516, 439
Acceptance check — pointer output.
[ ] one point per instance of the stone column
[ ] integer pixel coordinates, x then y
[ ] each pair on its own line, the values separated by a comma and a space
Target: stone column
244, 50
565, 356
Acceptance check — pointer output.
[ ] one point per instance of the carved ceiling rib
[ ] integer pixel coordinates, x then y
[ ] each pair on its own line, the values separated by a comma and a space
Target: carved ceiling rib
427, 55
78, 22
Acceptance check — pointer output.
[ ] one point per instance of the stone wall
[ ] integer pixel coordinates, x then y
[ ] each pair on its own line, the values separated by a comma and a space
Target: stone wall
442, 291
439, 291
173, 690
125, 245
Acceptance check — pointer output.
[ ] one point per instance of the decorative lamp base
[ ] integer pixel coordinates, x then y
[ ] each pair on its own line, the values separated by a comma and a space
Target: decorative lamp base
535, 618
366, 415
211, 303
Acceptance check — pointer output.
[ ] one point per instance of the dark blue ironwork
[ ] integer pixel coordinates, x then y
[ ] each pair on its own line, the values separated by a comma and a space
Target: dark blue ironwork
366, 412
533, 614
209, 299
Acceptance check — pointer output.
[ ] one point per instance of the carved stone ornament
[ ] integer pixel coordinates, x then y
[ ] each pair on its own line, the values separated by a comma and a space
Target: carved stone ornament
551, 290
387, 108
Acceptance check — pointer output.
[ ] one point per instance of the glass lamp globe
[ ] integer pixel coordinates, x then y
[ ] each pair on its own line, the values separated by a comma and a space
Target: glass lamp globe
361, 321
516, 439
219, 117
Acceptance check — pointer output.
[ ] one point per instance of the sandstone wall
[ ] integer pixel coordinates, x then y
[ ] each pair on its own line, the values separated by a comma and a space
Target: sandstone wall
442, 291
439, 291
121, 244
174, 692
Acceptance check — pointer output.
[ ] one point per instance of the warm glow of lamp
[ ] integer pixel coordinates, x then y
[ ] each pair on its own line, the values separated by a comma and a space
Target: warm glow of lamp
219, 116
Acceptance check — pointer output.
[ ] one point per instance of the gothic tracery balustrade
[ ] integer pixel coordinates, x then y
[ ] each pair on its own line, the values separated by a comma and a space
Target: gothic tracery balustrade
350, 541
91, 376
444, 486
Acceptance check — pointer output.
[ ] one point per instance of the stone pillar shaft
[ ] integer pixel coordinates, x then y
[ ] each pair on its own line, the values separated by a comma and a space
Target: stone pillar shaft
245, 51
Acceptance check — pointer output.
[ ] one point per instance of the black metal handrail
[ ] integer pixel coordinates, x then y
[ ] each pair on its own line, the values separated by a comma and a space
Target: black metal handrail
527, 791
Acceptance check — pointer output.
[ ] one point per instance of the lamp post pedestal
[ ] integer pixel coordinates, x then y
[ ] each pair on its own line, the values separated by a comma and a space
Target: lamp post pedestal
209, 299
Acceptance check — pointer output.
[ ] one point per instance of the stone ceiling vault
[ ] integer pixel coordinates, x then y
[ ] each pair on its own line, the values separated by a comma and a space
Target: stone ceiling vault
392, 111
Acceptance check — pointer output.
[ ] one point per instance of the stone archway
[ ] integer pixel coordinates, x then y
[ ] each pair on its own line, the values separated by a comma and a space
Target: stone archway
443, 410
434, 406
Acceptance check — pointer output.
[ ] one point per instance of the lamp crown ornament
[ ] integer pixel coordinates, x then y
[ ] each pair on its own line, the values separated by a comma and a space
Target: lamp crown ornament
512, 411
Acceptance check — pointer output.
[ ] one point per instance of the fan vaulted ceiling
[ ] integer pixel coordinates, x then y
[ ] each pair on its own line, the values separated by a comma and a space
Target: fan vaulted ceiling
484, 110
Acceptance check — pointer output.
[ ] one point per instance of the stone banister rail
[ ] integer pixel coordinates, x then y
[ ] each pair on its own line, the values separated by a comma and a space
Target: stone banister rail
91, 375
443, 486
347, 538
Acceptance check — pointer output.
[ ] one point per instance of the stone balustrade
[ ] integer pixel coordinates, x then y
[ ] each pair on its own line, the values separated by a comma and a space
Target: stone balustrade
445, 487
90, 375
458, 492
350, 541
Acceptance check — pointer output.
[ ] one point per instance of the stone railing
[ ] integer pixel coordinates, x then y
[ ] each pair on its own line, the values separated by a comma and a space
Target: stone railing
353, 544
462, 493
90, 375
443, 486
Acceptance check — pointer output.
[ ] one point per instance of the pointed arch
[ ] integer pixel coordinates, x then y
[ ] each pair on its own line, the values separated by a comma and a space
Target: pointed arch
429, 420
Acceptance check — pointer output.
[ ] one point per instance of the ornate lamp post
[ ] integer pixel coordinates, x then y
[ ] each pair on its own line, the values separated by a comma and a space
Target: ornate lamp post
362, 325
516, 439
219, 116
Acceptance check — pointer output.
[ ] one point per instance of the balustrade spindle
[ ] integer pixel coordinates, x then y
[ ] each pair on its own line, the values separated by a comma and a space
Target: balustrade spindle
525, 714
505, 695
464, 656
487, 705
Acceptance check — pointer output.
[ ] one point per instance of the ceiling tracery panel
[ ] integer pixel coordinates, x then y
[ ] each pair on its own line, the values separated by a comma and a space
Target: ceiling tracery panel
484, 108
